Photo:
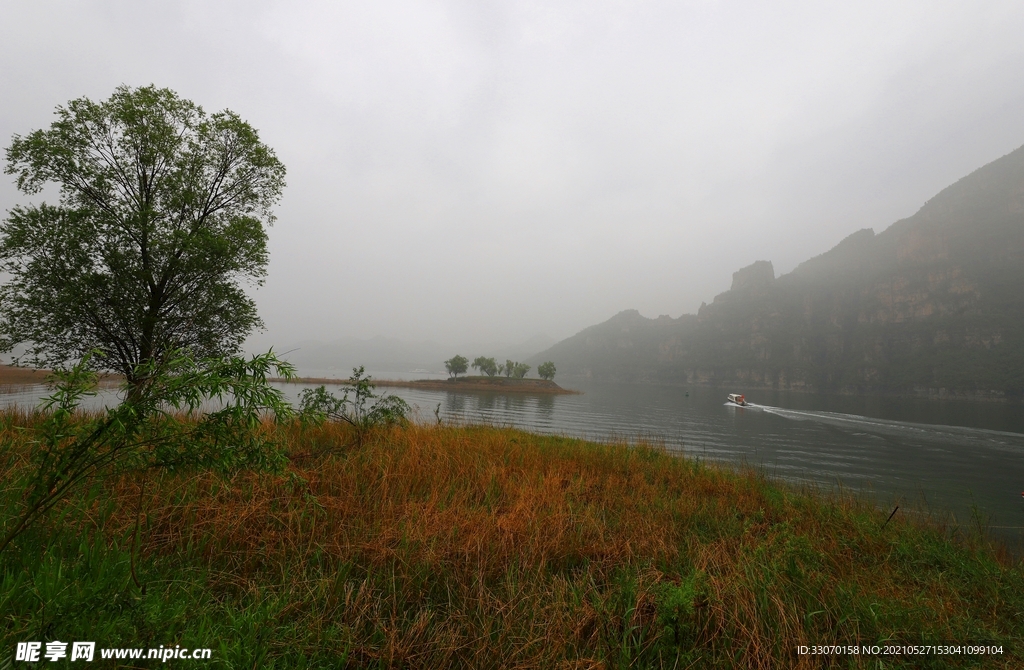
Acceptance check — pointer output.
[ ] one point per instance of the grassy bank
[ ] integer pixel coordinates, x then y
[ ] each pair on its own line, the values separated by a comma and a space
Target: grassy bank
438, 546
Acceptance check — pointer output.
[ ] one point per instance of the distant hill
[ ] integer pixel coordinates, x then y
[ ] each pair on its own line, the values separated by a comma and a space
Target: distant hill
934, 305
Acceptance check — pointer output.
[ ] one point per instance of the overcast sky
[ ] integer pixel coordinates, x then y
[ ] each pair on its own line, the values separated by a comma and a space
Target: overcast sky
477, 171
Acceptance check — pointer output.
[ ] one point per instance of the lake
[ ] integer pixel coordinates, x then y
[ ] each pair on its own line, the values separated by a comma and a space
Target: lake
954, 459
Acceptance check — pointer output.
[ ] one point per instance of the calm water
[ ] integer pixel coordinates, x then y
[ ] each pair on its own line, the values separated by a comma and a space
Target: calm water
946, 457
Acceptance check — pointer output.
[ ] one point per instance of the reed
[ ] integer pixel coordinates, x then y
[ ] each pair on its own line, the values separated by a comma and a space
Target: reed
468, 546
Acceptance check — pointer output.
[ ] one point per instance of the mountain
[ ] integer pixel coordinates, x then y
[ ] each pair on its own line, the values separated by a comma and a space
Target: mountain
933, 305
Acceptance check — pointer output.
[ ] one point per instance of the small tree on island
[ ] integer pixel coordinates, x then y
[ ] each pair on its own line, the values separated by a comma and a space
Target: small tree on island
488, 366
508, 368
546, 370
456, 365
519, 370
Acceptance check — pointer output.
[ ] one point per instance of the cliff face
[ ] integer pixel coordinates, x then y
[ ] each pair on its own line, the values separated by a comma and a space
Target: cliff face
933, 305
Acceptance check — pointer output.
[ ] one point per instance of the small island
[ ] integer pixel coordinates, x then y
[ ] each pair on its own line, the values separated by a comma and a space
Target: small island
513, 381
470, 384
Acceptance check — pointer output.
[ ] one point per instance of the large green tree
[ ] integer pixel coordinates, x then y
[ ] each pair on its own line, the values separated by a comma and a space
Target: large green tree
161, 220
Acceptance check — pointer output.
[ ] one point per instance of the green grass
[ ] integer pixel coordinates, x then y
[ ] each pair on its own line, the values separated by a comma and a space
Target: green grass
431, 547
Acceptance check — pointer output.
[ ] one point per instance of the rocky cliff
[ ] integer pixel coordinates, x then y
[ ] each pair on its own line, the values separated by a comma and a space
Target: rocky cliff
933, 305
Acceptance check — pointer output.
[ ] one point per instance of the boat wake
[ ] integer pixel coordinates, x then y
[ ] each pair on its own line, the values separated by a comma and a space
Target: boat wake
855, 423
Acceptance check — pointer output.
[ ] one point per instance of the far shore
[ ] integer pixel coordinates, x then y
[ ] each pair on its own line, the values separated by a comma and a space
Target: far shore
489, 384
13, 375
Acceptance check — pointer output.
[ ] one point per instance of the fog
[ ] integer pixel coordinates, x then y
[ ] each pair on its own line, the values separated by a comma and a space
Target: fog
485, 172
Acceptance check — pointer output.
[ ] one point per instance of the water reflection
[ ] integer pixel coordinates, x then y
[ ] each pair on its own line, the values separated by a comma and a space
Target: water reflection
494, 408
546, 407
29, 396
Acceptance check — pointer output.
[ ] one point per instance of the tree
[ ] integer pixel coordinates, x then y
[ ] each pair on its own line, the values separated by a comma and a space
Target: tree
161, 217
319, 404
546, 370
488, 366
456, 365
514, 369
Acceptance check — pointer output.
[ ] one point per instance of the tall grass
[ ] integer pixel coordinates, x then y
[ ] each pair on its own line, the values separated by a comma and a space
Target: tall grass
445, 546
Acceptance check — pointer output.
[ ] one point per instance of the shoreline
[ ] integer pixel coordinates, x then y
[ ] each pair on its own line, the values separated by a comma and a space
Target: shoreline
13, 375
472, 384
918, 393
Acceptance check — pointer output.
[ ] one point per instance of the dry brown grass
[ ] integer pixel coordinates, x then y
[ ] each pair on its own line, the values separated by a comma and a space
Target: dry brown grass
15, 376
497, 548
485, 547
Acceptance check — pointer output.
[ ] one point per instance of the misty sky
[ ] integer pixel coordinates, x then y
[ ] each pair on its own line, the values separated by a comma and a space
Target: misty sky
476, 171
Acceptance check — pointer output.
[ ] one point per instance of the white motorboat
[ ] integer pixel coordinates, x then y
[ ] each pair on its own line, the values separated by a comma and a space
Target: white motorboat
737, 399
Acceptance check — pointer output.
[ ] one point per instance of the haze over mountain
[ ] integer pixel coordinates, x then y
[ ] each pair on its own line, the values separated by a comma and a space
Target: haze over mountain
932, 305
